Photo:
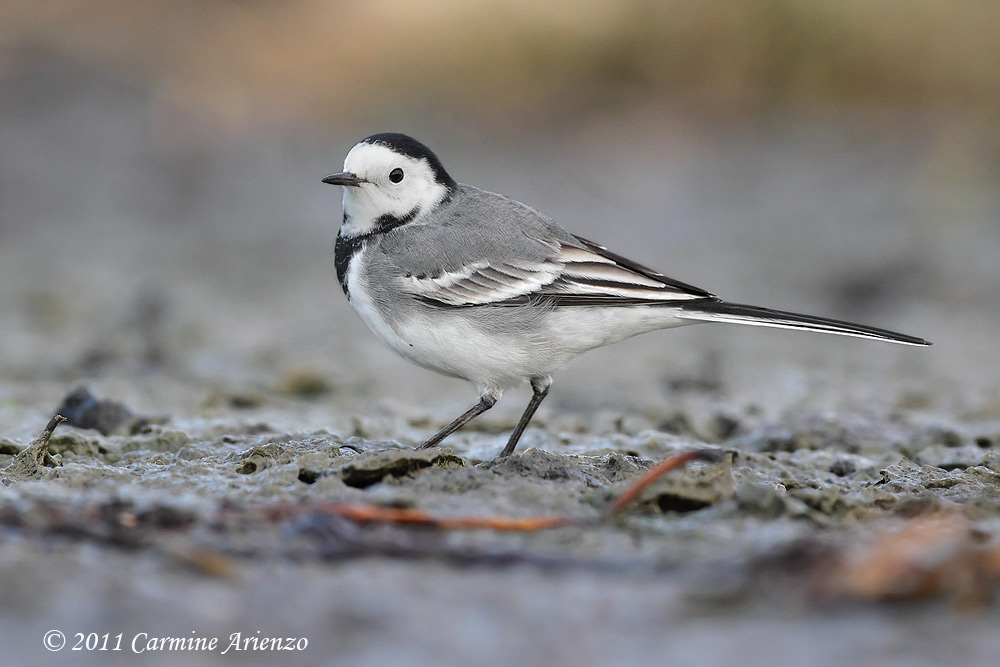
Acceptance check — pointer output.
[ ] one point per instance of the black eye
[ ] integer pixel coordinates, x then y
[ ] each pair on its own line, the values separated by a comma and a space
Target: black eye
396, 175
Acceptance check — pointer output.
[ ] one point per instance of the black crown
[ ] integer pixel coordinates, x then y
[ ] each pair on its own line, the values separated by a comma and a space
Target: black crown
410, 147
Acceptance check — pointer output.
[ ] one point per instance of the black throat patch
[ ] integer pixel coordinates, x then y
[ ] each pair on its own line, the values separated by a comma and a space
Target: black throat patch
346, 248
349, 246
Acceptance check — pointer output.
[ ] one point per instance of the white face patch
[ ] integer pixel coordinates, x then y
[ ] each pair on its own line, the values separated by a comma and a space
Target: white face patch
384, 192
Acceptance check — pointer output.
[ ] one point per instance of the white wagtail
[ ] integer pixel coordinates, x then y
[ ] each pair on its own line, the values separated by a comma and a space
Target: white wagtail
478, 286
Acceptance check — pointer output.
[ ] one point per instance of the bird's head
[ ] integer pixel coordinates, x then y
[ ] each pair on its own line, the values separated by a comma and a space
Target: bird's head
389, 178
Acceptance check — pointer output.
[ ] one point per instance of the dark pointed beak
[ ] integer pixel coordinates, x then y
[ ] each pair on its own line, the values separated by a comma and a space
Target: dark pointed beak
345, 178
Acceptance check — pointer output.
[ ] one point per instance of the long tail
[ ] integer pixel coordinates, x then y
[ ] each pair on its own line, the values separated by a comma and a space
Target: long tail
739, 313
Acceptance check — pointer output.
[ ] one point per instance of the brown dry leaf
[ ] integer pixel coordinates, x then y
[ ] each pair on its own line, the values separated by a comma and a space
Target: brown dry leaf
939, 555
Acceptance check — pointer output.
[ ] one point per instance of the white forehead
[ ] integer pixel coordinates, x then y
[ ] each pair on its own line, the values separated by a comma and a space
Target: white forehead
366, 158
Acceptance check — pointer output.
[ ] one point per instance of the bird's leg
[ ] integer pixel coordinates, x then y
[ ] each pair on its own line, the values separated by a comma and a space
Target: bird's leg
541, 388
486, 401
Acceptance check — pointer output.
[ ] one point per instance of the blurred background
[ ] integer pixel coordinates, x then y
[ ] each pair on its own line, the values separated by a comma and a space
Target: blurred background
162, 221
165, 240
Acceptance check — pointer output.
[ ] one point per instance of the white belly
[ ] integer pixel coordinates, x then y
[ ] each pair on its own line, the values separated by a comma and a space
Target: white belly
452, 341
441, 340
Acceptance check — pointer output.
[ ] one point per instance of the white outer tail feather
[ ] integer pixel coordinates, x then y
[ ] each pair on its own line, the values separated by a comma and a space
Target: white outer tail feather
737, 313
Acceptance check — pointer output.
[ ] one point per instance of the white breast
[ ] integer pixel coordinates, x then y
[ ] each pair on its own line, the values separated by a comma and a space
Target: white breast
443, 340
365, 306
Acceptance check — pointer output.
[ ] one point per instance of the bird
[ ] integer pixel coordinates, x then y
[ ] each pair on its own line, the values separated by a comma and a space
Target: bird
479, 286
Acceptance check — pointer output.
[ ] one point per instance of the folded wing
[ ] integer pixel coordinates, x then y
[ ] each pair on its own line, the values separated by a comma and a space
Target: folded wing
576, 273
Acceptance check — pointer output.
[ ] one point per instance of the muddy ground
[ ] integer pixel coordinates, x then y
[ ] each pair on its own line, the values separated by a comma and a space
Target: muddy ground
193, 283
